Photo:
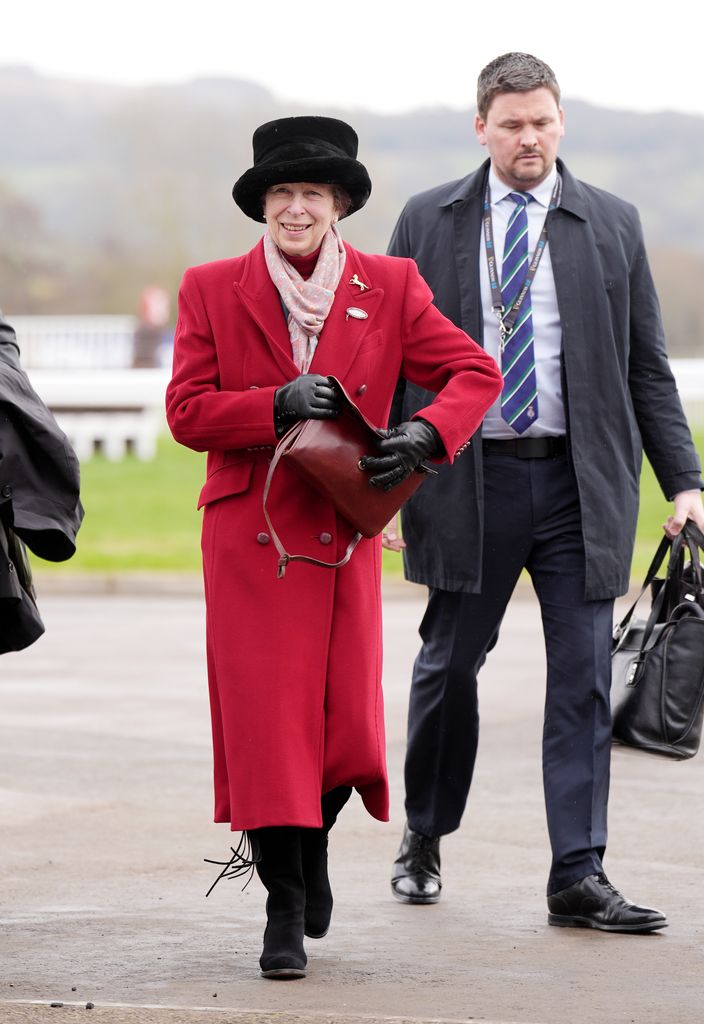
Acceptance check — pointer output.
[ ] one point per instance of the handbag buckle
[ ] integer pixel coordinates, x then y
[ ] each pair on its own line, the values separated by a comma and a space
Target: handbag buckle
634, 672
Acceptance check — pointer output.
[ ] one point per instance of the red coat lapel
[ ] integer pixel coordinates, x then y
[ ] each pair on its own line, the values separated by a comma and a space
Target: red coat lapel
260, 298
343, 333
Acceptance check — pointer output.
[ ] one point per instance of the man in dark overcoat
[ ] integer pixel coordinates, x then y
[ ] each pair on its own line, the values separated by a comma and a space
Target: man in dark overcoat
39, 492
551, 275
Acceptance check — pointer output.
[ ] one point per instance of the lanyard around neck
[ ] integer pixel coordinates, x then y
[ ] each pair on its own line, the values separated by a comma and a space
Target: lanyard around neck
507, 322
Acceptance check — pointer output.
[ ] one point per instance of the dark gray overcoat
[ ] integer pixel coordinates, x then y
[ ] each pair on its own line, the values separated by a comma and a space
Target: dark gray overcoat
39, 492
39, 471
620, 395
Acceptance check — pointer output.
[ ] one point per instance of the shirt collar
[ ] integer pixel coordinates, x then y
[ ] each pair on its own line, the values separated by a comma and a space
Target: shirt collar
542, 193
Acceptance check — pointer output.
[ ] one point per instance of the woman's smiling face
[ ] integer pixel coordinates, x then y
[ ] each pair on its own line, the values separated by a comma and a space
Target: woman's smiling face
298, 215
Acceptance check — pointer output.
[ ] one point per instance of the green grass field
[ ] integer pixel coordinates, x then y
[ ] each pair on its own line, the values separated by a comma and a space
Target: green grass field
141, 516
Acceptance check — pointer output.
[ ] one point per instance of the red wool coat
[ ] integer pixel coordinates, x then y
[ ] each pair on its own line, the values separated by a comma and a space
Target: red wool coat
294, 665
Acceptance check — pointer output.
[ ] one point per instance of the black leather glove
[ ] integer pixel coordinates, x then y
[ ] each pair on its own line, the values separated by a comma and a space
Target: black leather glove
403, 449
308, 397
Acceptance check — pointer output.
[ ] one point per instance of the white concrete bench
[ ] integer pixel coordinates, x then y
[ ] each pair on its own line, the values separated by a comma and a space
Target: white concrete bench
82, 368
111, 411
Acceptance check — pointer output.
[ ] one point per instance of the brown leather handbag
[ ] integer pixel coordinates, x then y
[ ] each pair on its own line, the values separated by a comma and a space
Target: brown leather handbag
327, 454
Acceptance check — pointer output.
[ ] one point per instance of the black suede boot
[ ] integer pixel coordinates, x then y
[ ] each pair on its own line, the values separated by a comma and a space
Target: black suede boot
314, 849
279, 868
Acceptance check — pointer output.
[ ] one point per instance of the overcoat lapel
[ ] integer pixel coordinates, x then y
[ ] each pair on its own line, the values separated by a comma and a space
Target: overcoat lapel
588, 343
467, 224
587, 331
573, 255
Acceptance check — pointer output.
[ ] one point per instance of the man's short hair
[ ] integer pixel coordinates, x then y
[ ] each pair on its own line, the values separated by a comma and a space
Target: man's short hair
513, 72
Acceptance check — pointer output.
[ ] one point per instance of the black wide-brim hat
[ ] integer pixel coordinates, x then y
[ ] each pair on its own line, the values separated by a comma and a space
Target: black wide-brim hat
317, 149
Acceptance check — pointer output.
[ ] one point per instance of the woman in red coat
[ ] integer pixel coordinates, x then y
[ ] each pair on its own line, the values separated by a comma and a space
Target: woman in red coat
294, 664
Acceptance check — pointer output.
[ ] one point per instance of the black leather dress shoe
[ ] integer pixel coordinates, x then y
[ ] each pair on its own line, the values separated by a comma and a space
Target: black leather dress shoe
594, 903
416, 874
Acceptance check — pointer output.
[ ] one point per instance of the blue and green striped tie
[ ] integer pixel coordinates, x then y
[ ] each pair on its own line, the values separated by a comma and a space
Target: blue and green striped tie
519, 398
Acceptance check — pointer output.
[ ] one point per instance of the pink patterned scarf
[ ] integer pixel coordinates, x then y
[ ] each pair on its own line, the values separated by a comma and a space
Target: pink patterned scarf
308, 302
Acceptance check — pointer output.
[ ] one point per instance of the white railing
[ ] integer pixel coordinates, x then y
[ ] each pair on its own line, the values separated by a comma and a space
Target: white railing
81, 366
689, 374
76, 342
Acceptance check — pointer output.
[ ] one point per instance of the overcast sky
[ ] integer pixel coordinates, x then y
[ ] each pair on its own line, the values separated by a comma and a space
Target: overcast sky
381, 55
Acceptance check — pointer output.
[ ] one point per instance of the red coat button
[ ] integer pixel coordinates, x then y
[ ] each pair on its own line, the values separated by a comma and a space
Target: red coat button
326, 538
263, 538
361, 389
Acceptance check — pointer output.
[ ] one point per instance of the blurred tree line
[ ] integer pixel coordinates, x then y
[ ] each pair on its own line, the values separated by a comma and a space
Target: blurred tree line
106, 189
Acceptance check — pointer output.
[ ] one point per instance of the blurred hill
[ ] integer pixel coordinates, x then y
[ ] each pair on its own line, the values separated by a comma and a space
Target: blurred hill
104, 188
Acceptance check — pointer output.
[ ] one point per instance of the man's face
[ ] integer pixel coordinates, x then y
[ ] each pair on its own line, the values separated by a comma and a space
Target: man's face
522, 132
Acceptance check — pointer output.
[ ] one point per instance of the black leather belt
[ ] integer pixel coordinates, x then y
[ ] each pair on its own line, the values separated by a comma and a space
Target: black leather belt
526, 447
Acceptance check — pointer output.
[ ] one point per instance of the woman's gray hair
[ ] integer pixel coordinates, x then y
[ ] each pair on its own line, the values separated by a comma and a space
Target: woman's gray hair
341, 198
513, 72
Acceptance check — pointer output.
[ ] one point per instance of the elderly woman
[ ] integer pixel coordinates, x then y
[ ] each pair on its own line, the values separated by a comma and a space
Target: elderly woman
294, 664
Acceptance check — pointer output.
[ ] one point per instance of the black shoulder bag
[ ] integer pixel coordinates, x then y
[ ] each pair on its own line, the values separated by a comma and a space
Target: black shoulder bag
657, 687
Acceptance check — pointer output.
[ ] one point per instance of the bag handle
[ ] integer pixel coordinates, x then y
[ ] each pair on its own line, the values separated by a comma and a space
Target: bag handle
692, 537
675, 546
673, 567
282, 447
695, 540
693, 533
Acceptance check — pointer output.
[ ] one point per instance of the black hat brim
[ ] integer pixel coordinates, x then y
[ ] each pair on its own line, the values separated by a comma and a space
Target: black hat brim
349, 174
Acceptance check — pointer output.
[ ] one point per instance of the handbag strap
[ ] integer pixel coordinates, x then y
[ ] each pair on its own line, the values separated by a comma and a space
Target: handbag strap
673, 567
675, 547
693, 533
688, 575
695, 540
692, 537
284, 557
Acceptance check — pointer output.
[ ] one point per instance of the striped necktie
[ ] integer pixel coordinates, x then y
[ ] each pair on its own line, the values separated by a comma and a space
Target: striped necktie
519, 398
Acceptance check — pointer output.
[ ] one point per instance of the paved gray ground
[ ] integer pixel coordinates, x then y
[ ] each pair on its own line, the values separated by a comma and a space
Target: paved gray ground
105, 818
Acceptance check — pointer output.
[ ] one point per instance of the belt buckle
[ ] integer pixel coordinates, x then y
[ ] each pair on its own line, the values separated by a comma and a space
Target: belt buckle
522, 453
530, 448
537, 447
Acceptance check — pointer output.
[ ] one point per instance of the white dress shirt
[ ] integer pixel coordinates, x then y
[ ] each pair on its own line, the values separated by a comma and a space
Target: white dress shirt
546, 318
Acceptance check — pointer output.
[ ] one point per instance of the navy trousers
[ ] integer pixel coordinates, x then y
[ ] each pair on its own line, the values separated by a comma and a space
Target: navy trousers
532, 521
